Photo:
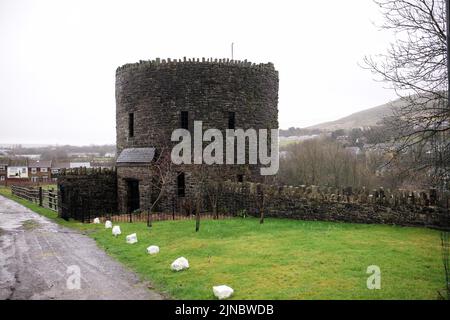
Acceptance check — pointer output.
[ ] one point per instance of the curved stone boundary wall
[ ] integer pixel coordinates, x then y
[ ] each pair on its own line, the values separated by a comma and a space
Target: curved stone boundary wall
400, 207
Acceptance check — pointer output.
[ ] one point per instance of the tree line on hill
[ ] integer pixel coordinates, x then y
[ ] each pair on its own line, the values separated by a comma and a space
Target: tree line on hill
327, 162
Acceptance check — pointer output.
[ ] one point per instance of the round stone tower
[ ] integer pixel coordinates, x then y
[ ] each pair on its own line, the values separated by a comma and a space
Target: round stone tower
153, 98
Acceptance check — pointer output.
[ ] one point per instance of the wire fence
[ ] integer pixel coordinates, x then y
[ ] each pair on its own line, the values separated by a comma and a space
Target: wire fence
48, 198
143, 217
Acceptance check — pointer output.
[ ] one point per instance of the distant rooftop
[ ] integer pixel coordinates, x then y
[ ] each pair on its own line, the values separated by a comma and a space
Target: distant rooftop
75, 164
60, 165
18, 163
39, 163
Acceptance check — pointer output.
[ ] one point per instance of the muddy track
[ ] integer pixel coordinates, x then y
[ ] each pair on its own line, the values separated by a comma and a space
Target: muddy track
38, 259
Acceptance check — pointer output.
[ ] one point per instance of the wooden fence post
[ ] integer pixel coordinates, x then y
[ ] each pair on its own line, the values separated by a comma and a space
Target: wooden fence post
173, 208
197, 216
49, 198
40, 196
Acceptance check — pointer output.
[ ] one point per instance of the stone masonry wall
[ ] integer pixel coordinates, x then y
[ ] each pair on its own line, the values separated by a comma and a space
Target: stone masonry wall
86, 193
401, 207
140, 173
170, 201
156, 92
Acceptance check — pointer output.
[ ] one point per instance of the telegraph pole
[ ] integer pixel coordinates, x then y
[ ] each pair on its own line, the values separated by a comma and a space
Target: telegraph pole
232, 46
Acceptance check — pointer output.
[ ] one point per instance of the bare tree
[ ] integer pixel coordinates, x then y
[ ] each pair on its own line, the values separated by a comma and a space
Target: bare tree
331, 163
415, 66
209, 181
213, 186
261, 201
163, 173
263, 195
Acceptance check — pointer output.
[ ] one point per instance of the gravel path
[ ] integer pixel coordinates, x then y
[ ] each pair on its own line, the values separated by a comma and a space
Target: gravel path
39, 258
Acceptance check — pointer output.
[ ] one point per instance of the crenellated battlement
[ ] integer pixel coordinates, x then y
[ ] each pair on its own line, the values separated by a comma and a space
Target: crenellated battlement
161, 63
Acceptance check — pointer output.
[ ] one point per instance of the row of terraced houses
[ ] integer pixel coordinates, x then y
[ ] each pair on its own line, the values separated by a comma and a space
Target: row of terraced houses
26, 171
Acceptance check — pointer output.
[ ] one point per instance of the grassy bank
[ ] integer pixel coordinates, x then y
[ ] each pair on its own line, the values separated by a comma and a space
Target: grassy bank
281, 259
4, 191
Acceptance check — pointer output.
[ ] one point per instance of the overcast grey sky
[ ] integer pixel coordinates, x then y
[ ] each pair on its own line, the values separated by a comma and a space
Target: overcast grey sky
58, 58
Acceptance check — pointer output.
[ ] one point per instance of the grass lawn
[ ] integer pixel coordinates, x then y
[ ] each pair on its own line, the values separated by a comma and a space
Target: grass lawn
281, 259
49, 186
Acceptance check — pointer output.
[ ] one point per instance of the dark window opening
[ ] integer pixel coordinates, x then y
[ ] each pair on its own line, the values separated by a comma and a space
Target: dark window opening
156, 155
181, 185
184, 120
131, 125
240, 178
231, 120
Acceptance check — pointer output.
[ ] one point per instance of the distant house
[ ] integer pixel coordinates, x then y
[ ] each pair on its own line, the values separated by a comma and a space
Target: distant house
83, 154
356, 151
80, 164
102, 164
40, 170
31, 156
342, 139
17, 169
57, 167
3, 170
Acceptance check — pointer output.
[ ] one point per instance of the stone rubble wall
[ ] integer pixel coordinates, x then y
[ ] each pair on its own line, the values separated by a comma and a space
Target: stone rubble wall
86, 193
157, 92
400, 207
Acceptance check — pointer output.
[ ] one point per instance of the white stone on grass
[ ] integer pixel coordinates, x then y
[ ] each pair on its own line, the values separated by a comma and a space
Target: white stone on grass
222, 292
108, 224
116, 231
132, 238
153, 250
96, 220
180, 264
